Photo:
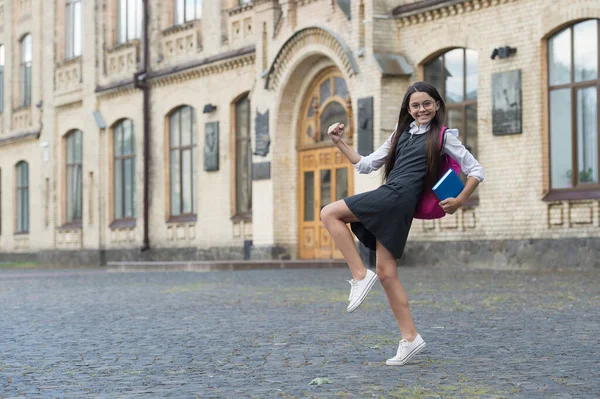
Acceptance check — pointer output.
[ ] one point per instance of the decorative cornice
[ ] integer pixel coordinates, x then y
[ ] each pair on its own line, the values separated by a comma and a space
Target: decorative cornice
240, 9
69, 106
179, 28
430, 10
305, 37
116, 89
21, 137
305, 2
209, 66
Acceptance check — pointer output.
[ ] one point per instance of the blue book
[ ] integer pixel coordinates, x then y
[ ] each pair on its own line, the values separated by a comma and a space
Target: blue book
449, 186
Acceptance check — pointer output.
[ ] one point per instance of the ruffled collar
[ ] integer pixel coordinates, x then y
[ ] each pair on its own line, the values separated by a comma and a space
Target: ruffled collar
414, 129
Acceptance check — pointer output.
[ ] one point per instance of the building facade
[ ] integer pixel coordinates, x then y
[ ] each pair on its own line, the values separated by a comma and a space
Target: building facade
190, 129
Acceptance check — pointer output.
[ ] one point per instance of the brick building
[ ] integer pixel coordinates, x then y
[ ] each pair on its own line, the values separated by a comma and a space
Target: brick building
202, 131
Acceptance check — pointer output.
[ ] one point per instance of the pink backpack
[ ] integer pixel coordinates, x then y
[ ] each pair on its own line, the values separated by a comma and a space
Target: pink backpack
428, 206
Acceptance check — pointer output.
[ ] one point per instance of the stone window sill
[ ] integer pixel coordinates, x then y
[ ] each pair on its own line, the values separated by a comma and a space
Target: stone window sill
586, 193
245, 216
183, 219
122, 224
22, 108
69, 61
134, 43
72, 226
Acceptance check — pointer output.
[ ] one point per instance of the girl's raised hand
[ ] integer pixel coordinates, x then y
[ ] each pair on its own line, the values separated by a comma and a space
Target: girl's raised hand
336, 131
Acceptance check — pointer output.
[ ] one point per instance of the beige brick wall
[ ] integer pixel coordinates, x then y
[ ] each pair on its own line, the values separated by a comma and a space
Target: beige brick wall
17, 20
510, 206
510, 199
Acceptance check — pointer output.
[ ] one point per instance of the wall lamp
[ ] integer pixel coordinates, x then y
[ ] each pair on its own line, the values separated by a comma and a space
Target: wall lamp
503, 52
208, 108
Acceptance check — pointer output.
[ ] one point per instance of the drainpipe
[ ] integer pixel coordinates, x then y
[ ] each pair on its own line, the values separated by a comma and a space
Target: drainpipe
140, 82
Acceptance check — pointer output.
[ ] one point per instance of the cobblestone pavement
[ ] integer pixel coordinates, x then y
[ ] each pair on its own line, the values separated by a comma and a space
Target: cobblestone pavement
269, 333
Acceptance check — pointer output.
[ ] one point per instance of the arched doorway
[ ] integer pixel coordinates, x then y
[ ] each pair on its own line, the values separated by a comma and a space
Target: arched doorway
325, 175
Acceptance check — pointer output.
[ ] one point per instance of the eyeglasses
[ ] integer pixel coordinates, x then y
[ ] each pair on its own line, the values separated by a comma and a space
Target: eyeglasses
427, 105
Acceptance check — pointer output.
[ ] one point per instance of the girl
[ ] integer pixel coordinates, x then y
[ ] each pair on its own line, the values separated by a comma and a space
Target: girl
381, 219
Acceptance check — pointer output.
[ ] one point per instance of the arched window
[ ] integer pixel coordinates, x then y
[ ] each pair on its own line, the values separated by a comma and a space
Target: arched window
328, 104
573, 83
25, 71
22, 170
243, 158
74, 164
454, 74
182, 158
124, 170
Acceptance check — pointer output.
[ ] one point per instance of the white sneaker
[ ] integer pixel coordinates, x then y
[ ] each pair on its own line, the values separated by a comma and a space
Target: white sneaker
360, 289
406, 350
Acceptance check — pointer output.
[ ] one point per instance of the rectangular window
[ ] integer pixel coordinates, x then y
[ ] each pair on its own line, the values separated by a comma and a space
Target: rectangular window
47, 203
74, 177
187, 10
587, 135
73, 27
560, 143
0, 201
91, 198
124, 170
243, 158
22, 197
25, 71
182, 154
1, 78
129, 20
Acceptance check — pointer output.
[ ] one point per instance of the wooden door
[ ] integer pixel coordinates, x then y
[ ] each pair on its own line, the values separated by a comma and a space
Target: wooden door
325, 176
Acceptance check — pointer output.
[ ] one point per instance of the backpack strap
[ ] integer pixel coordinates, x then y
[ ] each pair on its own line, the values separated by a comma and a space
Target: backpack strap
442, 138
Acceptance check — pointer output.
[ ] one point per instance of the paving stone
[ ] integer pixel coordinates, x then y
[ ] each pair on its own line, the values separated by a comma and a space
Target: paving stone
269, 333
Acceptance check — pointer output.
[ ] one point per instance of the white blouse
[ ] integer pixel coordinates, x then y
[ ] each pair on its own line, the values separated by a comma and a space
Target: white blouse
452, 147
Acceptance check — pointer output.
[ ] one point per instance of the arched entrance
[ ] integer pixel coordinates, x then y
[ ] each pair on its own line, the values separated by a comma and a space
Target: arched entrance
325, 175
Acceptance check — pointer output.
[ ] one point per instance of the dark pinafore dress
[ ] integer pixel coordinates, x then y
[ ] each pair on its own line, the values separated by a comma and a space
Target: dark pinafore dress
386, 214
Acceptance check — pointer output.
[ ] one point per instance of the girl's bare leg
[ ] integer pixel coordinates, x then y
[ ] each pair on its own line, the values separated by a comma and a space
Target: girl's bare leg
388, 275
335, 216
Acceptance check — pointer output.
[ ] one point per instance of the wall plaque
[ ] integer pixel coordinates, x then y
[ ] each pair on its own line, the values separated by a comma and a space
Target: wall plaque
211, 146
261, 126
506, 103
365, 125
261, 170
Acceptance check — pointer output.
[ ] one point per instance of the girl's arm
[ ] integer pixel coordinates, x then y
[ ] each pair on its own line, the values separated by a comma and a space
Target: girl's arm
470, 186
348, 152
468, 163
362, 164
